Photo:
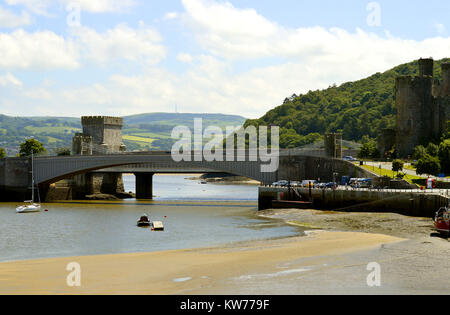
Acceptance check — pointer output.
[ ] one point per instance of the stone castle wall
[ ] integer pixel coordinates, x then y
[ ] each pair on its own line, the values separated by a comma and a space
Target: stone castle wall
422, 108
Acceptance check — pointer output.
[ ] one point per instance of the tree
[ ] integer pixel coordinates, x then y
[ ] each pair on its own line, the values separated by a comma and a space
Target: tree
419, 152
397, 165
432, 149
31, 145
444, 155
62, 151
369, 150
428, 165
2, 153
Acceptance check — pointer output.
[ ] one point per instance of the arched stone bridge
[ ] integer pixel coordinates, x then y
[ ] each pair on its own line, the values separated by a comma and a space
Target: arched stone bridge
15, 178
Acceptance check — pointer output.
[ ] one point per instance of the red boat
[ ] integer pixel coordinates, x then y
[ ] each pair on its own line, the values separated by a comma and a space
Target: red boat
442, 221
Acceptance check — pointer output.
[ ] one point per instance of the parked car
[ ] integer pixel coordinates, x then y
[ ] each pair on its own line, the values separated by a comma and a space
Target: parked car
281, 183
349, 158
331, 185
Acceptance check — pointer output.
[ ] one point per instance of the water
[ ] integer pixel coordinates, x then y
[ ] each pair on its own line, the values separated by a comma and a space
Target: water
194, 216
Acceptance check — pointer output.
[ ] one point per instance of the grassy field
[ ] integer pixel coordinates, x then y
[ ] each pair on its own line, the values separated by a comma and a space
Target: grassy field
138, 139
52, 129
384, 172
151, 135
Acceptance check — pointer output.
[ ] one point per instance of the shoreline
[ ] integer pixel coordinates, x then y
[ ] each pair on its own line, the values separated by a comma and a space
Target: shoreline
204, 270
332, 258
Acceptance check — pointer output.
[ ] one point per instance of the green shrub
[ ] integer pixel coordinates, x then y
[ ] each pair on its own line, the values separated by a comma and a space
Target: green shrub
428, 165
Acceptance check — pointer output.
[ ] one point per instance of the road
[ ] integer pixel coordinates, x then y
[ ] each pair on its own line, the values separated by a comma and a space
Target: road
388, 166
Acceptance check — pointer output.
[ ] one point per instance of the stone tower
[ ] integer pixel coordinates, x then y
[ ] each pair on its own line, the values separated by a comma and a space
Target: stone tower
422, 108
333, 145
106, 134
101, 135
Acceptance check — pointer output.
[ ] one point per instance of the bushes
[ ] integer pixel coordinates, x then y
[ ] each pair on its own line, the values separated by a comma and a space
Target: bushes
428, 165
397, 165
419, 152
444, 155
369, 150
434, 159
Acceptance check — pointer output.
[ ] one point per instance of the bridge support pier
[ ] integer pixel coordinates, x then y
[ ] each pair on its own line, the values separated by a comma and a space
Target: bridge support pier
144, 185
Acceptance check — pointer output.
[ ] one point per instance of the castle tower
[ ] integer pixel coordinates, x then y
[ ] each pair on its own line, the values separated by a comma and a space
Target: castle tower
101, 135
106, 133
416, 111
82, 144
333, 145
446, 79
426, 67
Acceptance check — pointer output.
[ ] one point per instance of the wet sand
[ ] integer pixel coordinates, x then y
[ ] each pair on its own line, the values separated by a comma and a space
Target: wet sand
333, 259
243, 268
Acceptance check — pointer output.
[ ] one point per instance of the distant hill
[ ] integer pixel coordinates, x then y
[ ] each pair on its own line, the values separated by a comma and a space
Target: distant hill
357, 109
141, 132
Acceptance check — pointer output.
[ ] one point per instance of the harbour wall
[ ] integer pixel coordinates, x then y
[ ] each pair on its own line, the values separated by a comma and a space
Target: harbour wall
406, 202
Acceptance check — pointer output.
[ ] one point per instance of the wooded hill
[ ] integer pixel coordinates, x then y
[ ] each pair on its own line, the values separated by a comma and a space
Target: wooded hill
358, 109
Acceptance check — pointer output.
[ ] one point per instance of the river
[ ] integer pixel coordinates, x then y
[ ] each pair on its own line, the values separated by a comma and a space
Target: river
194, 215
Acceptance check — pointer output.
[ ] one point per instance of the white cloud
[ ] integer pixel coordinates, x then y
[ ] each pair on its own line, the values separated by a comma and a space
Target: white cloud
294, 60
171, 15
47, 50
35, 6
38, 50
186, 58
235, 34
142, 45
9, 19
9, 80
94, 6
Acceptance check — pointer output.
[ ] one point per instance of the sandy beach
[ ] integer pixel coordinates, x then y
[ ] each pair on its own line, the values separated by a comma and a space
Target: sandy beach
196, 271
332, 258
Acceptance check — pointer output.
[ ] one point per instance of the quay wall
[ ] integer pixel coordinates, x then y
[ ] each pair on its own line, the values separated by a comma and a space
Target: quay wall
406, 202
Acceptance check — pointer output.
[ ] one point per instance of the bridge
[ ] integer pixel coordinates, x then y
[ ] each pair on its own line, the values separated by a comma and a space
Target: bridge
15, 177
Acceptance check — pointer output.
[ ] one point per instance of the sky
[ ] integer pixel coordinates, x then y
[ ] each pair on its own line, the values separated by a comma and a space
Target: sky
242, 57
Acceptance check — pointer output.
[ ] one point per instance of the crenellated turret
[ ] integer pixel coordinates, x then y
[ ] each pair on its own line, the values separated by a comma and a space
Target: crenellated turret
446, 79
426, 67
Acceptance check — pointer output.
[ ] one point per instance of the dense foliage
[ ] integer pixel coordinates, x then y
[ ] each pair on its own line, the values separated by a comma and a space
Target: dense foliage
428, 165
444, 156
2, 153
31, 146
357, 109
62, 151
369, 150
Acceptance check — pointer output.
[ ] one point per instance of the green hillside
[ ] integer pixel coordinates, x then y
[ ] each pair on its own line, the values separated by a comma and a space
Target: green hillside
141, 132
357, 109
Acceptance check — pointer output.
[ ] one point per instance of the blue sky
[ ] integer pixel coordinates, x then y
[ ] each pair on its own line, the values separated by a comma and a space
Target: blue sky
119, 57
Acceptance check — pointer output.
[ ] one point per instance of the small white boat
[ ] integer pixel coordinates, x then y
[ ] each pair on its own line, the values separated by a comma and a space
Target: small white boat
30, 205
157, 226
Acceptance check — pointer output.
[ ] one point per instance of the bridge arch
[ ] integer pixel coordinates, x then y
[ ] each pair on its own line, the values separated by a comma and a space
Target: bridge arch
52, 169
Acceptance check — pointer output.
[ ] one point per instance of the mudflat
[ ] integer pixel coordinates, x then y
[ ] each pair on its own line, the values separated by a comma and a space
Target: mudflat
232, 269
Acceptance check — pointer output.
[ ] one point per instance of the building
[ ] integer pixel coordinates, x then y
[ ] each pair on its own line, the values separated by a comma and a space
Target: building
101, 135
333, 145
423, 108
